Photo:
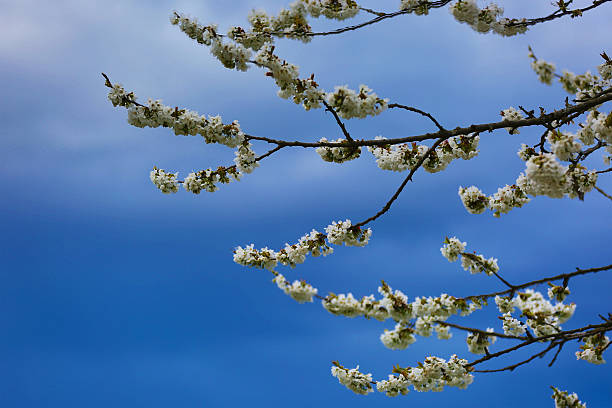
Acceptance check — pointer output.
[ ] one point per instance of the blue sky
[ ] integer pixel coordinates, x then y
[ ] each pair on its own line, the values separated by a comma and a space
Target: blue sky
113, 294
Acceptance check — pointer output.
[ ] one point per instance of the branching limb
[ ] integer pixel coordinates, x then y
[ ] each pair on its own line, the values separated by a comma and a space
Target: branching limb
408, 178
564, 276
338, 121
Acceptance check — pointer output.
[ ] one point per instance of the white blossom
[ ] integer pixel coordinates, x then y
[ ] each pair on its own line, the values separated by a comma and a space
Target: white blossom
486, 19
546, 175
473, 199
506, 199
350, 104
434, 374
544, 70
565, 400
418, 7
332, 9
558, 293
563, 144
394, 386
512, 115
345, 305
343, 232
338, 154
165, 182
452, 248
512, 326
504, 304
399, 338
443, 332
605, 70
593, 348
298, 290
525, 152
478, 342
352, 379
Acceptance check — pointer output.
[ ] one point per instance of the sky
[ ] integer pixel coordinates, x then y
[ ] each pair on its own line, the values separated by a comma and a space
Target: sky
113, 294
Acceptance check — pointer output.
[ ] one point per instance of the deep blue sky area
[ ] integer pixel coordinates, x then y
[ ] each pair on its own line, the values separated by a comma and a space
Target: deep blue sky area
115, 295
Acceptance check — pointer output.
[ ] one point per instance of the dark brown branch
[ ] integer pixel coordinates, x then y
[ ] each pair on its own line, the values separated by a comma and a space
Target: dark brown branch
513, 366
420, 112
408, 178
565, 335
328, 108
560, 347
483, 332
564, 276
478, 128
559, 13
603, 193
505, 282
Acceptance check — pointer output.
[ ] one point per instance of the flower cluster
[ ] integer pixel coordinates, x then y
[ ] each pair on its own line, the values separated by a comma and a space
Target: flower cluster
418, 7
399, 338
345, 305
584, 86
565, 400
544, 70
353, 379
574, 84
593, 348
313, 243
298, 290
182, 121
474, 263
245, 158
579, 181
544, 175
286, 76
338, 154
395, 305
477, 263
265, 258
407, 156
507, 198
207, 179
332, 9
343, 232
605, 70
473, 199
165, 182
525, 152
512, 326
542, 317
432, 375
486, 19
231, 54
558, 293
597, 126
512, 114
452, 248
350, 104
563, 144
504, 304
119, 97
478, 342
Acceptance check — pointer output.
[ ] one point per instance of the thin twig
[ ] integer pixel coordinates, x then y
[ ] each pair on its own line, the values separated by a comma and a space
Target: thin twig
411, 109
603, 193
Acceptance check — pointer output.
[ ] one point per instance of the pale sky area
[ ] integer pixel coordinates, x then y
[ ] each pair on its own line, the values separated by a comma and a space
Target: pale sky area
113, 294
